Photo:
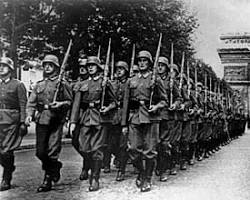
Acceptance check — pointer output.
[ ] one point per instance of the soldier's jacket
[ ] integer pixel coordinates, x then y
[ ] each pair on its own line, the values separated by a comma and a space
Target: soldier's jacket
119, 88
186, 100
43, 94
13, 99
201, 105
165, 113
136, 104
88, 96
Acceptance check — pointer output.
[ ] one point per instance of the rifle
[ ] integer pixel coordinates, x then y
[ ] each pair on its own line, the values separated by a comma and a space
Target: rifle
210, 88
188, 79
195, 80
182, 69
171, 74
99, 51
62, 70
205, 93
132, 61
112, 67
155, 70
105, 76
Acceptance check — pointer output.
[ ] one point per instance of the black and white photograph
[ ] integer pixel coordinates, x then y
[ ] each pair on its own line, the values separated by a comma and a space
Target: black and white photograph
124, 99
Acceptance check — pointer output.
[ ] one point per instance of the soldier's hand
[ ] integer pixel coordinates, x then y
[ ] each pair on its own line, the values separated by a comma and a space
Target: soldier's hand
153, 108
28, 120
173, 107
56, 104
72, 128
125, 131
23, 130
104, 109
182, 107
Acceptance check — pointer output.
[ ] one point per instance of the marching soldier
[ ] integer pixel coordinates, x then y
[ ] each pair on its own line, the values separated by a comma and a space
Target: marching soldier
94, 120
167, 120
119, 140
49, 119
83, 75
13, 101
141, 121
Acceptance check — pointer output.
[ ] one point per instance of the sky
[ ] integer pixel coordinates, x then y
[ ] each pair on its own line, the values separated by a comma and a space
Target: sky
215, 18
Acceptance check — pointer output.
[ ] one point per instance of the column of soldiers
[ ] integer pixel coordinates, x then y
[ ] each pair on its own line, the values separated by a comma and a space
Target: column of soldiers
150, 113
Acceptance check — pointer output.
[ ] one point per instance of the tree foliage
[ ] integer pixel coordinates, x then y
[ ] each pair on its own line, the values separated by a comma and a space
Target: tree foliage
35, 27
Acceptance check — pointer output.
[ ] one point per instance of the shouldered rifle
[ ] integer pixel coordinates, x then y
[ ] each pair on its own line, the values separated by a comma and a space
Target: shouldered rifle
112, 67
205, 93
62, 70
195, 80
210, 88
188, 79
99, 51
171, 74
132, 61
105, 76
182, 70
155, 70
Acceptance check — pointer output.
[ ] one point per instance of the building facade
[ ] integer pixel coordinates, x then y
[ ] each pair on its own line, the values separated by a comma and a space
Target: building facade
234, 53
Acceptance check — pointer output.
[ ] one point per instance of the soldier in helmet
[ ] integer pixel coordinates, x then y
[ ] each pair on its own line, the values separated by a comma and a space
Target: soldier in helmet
83, 75
49, 120
167, 124
94, 119
13, 101
142, 121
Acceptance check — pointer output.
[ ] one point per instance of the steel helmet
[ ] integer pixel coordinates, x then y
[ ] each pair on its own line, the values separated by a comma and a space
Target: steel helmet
7, 61
122, 64
163, 60
145, 54
175, 67
94, 60
51, 59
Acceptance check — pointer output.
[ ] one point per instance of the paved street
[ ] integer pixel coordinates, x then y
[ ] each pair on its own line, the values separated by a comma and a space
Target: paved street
225, 175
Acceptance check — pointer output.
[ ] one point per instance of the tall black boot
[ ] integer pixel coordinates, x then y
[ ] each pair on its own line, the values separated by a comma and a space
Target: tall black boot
85, 169
122, 168
192, 152
54, 171
107, 161
7, 177
95, 175
138, 164
163, 162
146, 186
46, 185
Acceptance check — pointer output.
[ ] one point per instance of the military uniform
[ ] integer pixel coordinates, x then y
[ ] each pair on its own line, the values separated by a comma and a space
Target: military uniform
93, 124
13, 101
143, 125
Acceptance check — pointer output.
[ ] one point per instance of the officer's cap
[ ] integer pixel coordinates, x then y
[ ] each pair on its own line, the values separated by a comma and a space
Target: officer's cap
7, 61
94, 60
163, 60
122, 64
145, 54
51, 59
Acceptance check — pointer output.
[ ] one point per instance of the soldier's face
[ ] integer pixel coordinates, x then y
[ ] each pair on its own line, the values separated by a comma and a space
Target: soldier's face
83, 70
162, 68
4, 69
120, 72
48, 67
143, 64
92, 69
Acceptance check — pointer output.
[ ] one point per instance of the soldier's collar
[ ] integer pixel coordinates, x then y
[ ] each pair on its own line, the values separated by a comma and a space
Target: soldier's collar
164, 76
95, 78
52, 78
5, 80
144, 75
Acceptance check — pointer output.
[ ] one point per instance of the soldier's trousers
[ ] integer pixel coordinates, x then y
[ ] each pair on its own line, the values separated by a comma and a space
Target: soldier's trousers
9, 141
92, 141
143, 139
48, 146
